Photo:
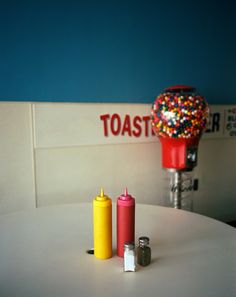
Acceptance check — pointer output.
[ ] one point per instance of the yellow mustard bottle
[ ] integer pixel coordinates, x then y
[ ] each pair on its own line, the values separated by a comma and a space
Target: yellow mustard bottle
102, 226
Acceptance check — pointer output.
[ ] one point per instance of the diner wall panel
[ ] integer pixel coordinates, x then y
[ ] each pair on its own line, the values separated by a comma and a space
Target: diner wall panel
17, 187
66, 175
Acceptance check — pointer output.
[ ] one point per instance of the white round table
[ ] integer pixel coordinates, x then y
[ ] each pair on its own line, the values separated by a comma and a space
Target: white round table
43, 253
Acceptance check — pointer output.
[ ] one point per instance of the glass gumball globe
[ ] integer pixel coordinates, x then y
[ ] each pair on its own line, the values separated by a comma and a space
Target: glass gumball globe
179, 113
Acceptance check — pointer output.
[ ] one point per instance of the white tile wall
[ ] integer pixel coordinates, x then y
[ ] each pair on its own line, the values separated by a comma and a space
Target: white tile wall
70, 168
17, 189
76, 174
217, 179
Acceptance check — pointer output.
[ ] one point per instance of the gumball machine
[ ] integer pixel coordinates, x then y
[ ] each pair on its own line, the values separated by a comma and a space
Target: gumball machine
179, 116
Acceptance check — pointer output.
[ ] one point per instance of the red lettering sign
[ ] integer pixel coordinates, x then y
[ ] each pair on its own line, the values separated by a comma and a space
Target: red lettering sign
127, 126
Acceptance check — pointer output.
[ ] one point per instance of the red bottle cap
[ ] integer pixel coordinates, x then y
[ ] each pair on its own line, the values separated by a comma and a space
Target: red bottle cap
125, 199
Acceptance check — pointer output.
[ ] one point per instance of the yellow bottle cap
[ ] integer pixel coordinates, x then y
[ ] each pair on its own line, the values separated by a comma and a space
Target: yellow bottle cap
102, 198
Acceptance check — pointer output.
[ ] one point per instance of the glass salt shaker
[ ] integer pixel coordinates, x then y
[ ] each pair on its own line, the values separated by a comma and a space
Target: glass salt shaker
129, 256
144, 251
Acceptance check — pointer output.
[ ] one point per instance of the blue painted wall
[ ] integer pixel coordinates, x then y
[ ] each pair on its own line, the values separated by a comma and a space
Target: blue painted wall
119, 51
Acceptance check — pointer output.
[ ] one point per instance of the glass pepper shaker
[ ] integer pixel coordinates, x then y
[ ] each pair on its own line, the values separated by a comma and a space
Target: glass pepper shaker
144, 251
129, 256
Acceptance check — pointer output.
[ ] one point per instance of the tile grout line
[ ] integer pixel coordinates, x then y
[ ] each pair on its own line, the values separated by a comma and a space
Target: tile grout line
33, 151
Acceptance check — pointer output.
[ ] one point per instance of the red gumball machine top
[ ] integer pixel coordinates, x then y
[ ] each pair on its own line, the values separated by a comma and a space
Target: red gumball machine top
179, 116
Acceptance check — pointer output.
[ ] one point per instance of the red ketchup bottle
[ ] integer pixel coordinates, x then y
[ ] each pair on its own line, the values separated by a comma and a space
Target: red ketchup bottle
125, 221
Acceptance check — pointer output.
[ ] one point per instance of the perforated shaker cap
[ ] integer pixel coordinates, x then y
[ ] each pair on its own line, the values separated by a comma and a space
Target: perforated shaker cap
143, 240
129, 246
